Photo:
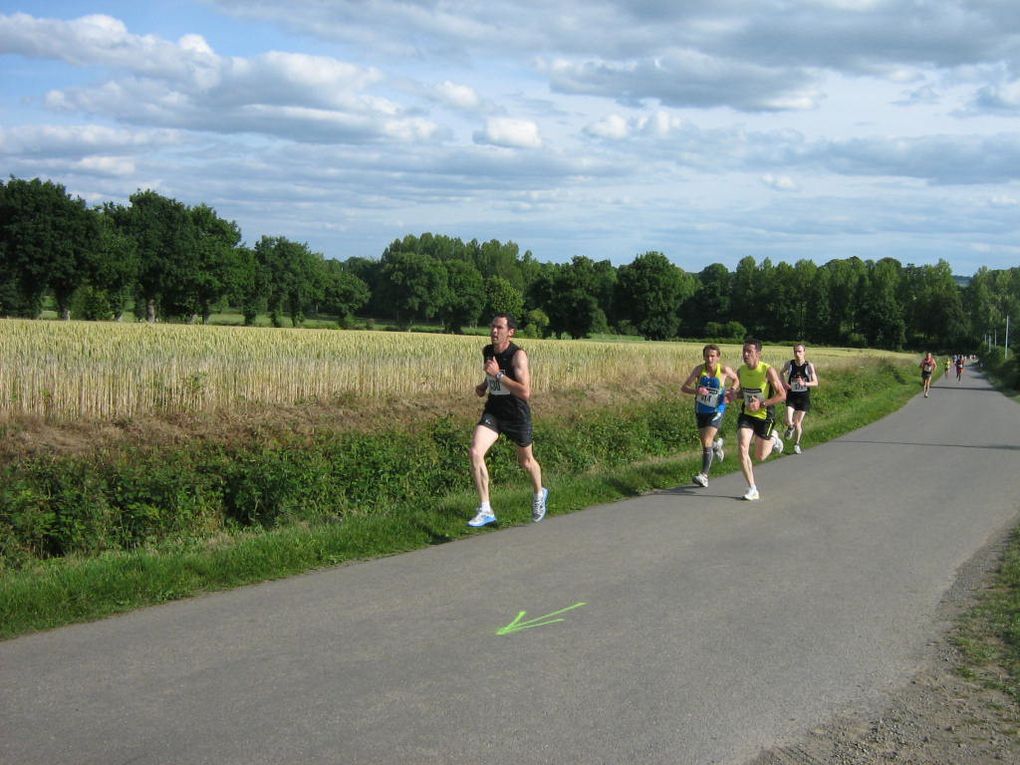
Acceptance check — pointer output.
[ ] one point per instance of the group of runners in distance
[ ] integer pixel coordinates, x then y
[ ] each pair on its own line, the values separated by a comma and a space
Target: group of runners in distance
929, 365
758, 386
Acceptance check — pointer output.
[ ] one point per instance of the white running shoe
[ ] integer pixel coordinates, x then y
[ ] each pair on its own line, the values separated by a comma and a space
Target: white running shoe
701, 479
796, 448
717, 447
751, 495
538, 505
482, 518
777, 443
789, 432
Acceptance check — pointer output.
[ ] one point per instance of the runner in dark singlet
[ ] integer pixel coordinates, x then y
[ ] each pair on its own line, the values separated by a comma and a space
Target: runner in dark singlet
508, 383
799, 377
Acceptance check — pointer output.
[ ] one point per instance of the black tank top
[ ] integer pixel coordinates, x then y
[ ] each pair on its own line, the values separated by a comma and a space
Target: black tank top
501, 402
803, 371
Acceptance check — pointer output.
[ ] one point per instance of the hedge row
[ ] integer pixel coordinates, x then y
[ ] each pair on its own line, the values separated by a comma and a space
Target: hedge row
86, 506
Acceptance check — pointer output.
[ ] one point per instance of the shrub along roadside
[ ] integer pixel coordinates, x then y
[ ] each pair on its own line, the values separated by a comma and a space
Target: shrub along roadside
81, 539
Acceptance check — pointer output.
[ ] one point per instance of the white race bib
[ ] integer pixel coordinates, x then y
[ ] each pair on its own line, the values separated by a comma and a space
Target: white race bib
496, 386
710, 399
753, 394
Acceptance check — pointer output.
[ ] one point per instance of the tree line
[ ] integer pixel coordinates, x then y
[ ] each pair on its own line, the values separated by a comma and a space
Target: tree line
168, 261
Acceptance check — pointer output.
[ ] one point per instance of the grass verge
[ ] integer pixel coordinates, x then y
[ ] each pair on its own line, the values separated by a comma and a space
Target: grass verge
59, 591
989, 634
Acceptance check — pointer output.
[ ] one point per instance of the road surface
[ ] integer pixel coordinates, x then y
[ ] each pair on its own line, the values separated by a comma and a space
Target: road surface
711, 628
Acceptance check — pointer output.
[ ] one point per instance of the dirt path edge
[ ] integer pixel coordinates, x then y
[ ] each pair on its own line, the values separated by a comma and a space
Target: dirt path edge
940, 717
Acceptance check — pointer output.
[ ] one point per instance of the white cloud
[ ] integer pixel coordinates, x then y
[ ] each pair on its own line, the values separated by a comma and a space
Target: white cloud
779, 182
510, 133
73, 140
458, 96
613, 127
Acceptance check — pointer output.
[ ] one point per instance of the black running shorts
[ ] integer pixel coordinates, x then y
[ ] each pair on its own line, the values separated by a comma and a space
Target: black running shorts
800, 402
517, 429
709, 419
762, 428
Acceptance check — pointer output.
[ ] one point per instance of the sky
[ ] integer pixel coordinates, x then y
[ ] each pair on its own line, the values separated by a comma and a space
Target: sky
707, 130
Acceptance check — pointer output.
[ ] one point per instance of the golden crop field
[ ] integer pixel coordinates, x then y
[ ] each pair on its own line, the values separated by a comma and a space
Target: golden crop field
100, 371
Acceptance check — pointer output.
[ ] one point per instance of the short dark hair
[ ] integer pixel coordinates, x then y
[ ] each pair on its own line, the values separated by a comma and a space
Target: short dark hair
711, 347
511, 322
753, 341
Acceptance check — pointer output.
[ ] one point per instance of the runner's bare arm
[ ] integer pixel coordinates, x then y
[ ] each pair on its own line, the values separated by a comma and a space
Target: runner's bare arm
688, 386
813, 382
777, 386
521, 387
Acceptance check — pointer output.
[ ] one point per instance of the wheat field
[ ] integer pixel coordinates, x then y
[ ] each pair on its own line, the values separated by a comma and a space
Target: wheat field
105, 371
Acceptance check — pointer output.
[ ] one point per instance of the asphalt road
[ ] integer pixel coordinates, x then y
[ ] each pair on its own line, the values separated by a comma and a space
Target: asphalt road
711, 628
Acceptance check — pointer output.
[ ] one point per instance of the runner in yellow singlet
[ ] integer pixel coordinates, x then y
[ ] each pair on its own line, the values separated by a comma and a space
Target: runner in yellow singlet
761, 389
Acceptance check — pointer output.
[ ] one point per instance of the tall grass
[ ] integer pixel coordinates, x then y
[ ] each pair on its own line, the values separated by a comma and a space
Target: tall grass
94, 371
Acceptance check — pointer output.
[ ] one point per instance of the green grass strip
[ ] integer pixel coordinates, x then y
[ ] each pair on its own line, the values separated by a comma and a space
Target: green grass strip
66, 590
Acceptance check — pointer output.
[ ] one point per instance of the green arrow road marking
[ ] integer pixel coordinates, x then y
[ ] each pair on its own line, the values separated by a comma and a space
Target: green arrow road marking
539, 621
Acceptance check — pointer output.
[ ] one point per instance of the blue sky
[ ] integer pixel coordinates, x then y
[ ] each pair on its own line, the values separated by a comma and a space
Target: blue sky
708, 130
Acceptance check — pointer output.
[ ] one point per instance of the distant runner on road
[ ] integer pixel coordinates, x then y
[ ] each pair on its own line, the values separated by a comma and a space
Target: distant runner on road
959, 367
508, 382
927, 370
799, 377
707, 382
761, 389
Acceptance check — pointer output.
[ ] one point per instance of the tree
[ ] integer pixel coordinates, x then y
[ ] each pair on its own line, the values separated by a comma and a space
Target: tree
881, 313
113, 266
46, 239
575, 295
292, 273
710, 301
744, 295
465, 296
159, 227
847, 283
343, 293
650, 292
205, 276
502, 297
934, 306
414, 286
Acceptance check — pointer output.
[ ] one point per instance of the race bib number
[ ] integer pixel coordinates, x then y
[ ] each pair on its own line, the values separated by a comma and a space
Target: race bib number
710, 399
798, 386
753, 394
496, 387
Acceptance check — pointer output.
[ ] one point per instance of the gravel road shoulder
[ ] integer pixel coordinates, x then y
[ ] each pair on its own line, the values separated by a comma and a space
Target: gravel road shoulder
939, 718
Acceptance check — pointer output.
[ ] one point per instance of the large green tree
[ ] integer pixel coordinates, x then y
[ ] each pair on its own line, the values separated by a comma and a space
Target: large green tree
413, 286
710, 301
343, 293
465, 296
292, 273
161, 230
46, 238
881, 314
650, 292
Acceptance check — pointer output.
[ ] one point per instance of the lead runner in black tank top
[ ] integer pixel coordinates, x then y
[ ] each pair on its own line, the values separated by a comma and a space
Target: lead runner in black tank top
507, 411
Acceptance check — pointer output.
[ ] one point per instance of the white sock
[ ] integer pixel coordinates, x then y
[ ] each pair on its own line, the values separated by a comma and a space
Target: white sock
485, 507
